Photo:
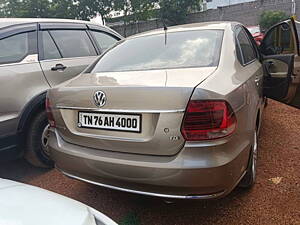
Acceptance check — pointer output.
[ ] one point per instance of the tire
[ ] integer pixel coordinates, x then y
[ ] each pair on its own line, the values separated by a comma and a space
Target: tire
35, 152
249, 178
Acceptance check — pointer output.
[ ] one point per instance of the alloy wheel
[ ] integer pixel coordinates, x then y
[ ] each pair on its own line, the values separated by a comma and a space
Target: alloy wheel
45, 140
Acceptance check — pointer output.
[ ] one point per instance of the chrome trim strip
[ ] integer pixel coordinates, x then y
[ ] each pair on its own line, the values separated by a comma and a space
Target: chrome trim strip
203, 197
69, 58
121, 110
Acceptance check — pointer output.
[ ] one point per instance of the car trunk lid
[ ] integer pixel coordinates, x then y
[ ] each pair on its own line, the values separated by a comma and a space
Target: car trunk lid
159, 97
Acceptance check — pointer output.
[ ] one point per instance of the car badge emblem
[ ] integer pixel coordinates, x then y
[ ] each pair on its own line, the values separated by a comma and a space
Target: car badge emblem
99, 98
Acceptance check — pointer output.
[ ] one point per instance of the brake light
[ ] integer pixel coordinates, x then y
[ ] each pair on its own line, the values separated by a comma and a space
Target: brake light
50, 114
207, 120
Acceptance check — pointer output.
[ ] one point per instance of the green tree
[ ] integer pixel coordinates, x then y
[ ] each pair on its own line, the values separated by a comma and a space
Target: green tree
269, 18
25, 8
9, 8
79, 9
87, 9
35, 8
66, 9
134, 11
174, 12
142, 9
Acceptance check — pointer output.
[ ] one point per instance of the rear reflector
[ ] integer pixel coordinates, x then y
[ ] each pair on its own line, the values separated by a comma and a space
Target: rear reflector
208, 120
49, 113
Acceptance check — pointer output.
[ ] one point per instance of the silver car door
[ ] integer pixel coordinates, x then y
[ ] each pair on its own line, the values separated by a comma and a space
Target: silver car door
281, 59
21, 78
65, 50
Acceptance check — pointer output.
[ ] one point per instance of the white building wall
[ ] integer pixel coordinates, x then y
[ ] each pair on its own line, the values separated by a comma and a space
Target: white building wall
213, 4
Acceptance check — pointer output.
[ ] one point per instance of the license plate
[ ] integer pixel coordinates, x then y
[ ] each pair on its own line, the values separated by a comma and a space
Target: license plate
110, 121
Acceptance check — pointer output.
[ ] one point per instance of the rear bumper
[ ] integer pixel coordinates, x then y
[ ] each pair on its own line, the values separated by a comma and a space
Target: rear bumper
160, 195
194, 173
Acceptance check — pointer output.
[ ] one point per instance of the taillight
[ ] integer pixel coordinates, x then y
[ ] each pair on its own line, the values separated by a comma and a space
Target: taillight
49, 113
207, 120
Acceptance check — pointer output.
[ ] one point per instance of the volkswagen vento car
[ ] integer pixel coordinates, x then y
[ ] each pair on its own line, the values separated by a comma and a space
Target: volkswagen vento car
177, 115
35, 55
23, 204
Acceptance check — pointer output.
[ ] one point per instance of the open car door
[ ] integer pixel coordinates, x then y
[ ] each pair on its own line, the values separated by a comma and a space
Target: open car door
281, 61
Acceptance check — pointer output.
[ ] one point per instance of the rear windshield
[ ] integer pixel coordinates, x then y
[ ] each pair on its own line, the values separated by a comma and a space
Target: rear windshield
175, 50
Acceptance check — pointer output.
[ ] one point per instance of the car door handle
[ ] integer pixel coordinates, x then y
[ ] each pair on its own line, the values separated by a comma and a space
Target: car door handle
58, 67
257, 80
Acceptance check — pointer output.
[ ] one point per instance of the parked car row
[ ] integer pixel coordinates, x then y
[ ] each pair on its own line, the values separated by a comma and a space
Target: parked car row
172, 113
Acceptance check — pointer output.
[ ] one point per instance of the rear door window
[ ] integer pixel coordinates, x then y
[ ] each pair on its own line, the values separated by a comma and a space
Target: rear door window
104, 40
14, 48
49, 49
73, 43
245, 46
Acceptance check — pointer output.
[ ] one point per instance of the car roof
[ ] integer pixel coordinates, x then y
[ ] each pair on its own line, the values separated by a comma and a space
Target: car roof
221, 25
14, 21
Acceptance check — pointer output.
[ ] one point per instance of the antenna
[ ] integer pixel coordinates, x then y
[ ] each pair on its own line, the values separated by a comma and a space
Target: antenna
166, 32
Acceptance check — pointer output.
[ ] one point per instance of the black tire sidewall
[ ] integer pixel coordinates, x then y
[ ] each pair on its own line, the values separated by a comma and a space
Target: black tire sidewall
34, 139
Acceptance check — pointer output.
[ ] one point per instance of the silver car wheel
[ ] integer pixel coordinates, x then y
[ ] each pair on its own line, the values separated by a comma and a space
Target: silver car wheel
254, 155
45, 140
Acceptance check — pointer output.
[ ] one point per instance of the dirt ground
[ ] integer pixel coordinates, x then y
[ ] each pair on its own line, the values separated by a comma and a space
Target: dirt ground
275, 199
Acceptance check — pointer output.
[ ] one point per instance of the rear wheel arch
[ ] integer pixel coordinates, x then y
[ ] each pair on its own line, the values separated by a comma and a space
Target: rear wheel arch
36, 105
31, 128
248, 179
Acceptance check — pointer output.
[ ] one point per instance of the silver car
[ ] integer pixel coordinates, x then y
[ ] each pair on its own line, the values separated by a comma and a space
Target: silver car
178, 114
23, 204
35, 55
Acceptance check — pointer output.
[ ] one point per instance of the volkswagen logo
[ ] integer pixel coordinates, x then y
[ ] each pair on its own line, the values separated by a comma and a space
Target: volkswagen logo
99, 98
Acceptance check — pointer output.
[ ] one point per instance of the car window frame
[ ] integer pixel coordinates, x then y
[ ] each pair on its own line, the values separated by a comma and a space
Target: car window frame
62, 26
294, 32
94, 28
254, 45
240, 28
13, 30
41, 46
96, 42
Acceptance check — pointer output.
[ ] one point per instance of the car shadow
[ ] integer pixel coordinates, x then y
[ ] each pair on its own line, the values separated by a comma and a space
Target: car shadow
20, 170
120, 205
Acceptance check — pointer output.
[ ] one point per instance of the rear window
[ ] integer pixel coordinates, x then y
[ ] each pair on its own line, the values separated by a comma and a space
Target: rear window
174, 50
